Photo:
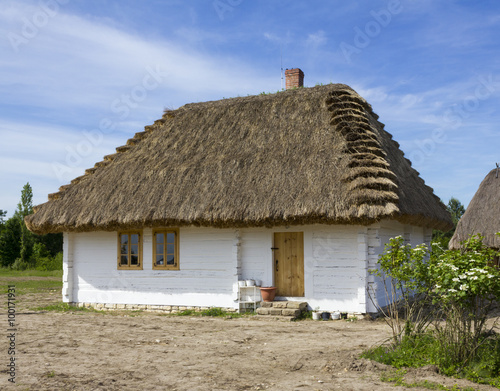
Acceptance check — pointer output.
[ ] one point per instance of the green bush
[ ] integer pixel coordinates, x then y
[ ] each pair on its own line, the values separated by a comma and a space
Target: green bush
50, 263
19, 264
442, 300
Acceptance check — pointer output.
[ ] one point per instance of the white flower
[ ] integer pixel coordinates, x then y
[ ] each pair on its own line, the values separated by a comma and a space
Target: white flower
452, 290
462, 276
489, 276
473, 278
454, 268
463, 287
438, 286
456, 279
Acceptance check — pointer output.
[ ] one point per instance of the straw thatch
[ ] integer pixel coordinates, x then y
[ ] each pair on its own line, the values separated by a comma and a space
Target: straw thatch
482, 214
310, 155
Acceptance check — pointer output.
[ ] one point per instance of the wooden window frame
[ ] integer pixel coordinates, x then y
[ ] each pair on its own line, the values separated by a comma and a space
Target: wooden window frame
165, 231
129, 266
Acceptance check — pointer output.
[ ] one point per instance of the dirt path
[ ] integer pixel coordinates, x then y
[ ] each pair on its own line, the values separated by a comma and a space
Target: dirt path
129, 351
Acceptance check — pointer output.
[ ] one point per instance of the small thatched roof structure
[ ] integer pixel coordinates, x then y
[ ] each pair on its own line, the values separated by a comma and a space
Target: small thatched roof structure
482, 215
308, 155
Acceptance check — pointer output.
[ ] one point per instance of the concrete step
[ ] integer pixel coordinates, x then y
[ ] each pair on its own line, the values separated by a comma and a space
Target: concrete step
288, 309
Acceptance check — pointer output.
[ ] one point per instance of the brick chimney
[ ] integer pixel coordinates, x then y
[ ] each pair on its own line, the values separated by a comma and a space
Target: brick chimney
294, 78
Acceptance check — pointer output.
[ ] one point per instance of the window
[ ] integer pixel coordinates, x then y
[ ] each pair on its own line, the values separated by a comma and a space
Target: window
130, 250
166, 249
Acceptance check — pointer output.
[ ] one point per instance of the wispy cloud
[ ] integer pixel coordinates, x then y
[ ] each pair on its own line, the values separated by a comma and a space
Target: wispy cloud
316, 39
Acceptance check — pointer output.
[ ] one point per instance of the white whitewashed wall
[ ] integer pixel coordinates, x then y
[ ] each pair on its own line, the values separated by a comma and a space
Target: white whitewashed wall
336, 263
206, 277
379, 235
334, 266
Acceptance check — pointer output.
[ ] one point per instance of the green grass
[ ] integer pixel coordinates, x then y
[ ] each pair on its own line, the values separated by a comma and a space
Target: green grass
30, 286
65, 307
5, 272
425, 349
23, 284
211, 312
397, 377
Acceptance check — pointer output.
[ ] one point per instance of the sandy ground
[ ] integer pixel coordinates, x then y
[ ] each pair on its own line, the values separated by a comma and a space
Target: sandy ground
148, 351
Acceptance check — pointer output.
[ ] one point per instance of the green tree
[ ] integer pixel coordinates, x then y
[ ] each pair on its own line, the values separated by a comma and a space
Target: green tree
3, 213
53, 243
10, 241
25, 208
456, 210
21, 249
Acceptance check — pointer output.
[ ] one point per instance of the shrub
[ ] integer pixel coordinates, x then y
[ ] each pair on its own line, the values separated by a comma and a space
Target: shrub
405, 276
463, 286
467, 286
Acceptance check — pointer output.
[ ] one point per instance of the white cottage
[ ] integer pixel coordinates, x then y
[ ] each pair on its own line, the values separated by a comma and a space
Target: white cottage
299, 189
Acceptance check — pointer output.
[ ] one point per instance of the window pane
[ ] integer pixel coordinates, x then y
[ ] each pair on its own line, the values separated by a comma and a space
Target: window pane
159, 249
124, 249
134, 260
134, 238
134, 249
124, 260
124, 239
170, 259
170, 249
170, 237
159, 238
159, 260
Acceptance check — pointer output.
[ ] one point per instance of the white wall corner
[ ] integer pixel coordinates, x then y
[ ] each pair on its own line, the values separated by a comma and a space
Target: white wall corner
363, 255
427, 236
68, 269
407, 235
236, 264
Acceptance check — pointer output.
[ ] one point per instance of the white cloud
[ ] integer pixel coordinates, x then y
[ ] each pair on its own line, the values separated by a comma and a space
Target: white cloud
316, 39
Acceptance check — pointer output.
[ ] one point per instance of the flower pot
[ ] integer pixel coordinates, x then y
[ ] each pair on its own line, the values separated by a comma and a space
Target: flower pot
250, 282
336, 316
268, 293
242, 283
316, 315
325, 316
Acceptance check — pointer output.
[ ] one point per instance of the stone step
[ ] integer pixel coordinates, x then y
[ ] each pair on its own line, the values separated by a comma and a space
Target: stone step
288, 309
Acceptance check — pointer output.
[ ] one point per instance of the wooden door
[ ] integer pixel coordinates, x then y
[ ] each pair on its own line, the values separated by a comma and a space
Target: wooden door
288, 262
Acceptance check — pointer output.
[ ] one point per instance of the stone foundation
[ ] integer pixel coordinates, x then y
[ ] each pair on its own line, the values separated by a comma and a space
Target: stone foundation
166, 309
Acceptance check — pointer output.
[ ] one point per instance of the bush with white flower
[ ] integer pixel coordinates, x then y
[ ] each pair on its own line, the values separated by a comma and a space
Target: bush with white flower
466, 290
462, 275
463, 287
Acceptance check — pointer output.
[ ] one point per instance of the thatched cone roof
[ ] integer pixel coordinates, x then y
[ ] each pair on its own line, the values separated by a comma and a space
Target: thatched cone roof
482, 214
310, 155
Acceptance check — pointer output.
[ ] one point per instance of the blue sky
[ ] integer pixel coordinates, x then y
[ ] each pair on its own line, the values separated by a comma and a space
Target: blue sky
78, 78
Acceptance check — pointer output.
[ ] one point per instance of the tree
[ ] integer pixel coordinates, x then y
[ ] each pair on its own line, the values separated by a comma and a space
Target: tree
25, 208
3, 213
21, 249
456, 210
10, 241
53, 243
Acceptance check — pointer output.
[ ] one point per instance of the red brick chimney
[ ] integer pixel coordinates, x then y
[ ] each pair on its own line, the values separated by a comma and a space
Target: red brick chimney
294, 78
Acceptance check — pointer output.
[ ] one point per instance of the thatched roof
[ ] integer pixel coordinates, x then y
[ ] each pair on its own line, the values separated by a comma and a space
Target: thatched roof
482, 215
309, 155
